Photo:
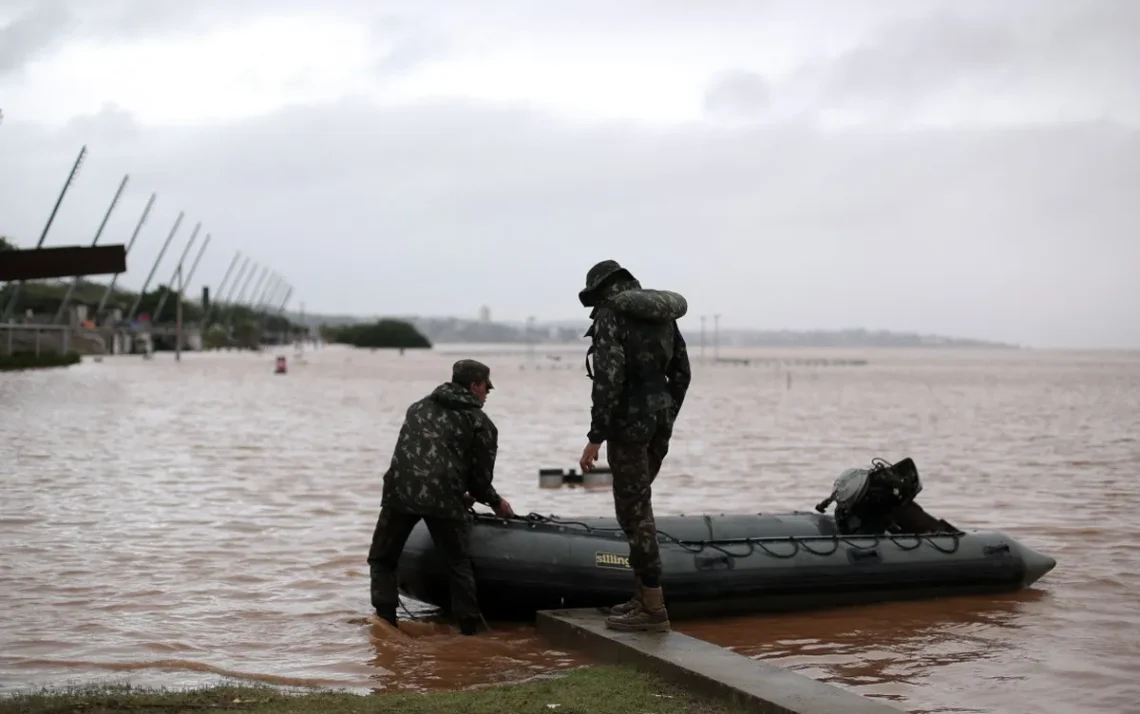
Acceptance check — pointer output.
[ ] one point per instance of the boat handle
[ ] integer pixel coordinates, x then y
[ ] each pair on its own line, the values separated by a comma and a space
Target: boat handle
860, 555
991, 550
713, 561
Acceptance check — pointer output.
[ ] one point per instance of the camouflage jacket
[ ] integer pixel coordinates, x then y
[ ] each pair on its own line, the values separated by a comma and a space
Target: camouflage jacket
641, 364
446, 447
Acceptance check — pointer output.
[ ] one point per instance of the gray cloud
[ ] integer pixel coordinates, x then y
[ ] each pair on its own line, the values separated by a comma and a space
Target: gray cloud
1015, 221
917, 56
1018, 234
403, 39
33, 31
1023, 60
737, 95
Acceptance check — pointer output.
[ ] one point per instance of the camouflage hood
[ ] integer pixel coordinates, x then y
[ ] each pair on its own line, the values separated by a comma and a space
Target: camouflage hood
605, 294
455, 396
629, 298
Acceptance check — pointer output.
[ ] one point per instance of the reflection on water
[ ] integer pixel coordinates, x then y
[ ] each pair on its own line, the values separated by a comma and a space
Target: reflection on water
892, 651
178, 522
425, 655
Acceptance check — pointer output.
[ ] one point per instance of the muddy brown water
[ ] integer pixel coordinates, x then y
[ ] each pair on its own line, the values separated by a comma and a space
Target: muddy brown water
172, 523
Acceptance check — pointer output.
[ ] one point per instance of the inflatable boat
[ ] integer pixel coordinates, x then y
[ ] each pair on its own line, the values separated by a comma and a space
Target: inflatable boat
878, 546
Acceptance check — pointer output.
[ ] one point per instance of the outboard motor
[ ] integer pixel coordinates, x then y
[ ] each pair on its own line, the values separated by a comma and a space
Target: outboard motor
880, 500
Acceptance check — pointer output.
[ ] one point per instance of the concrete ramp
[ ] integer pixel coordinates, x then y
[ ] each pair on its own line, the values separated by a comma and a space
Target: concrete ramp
703, 667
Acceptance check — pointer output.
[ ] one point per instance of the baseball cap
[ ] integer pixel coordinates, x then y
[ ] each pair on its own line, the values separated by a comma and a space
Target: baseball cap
466, 371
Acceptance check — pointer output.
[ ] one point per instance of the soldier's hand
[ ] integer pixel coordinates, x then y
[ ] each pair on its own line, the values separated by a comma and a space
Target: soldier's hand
589, 456
504, 510
468, 500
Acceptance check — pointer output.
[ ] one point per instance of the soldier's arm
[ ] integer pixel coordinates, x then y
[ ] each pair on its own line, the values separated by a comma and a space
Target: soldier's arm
609, 376
679, 371
485, 447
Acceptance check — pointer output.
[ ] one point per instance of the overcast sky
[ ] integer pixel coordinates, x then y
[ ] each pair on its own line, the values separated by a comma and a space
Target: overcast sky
961, 168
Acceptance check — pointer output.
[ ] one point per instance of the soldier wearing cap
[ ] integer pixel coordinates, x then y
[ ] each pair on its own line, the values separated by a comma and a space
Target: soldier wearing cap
444, 461
641, 374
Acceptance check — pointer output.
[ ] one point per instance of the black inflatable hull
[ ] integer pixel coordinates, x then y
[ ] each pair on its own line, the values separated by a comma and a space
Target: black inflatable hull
728, 564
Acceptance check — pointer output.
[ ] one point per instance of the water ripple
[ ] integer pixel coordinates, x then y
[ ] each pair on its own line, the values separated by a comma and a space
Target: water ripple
176, 522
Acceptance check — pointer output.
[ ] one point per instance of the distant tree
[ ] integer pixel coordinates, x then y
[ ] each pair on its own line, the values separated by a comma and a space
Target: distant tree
384, 333
6, 244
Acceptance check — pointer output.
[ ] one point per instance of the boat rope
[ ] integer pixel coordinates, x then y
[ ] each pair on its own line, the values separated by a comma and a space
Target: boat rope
405, 608
762, 543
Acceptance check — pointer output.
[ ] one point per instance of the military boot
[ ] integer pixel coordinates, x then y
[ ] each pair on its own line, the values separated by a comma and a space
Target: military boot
468, 625
387, 612
629, 605
648, 615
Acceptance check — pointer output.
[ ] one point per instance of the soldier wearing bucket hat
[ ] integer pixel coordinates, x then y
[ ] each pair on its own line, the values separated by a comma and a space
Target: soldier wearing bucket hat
444, 460
641, 374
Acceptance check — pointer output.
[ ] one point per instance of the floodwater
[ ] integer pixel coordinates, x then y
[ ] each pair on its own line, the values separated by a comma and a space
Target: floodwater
170, 522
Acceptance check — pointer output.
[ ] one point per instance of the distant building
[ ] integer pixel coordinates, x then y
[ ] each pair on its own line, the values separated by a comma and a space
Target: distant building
484, 314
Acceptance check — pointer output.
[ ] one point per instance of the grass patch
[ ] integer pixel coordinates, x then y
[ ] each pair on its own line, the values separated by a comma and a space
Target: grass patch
589, 690
26, 360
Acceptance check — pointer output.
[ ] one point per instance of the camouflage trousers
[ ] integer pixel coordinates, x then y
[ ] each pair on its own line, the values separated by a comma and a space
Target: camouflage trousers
635, 465
451, 538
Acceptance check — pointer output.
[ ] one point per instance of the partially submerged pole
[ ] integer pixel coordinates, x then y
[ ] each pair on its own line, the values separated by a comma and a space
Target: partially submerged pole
190, 281
221, 289
142, 220
194, 265
47, 226
142, 290
177, 269
75, 281
178, 319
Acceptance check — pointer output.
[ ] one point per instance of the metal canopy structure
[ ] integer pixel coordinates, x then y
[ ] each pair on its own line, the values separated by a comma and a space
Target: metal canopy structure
18, 265
62, 262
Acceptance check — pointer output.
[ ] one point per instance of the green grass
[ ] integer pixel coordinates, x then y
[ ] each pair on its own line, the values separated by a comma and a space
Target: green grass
23, 360
589, 690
